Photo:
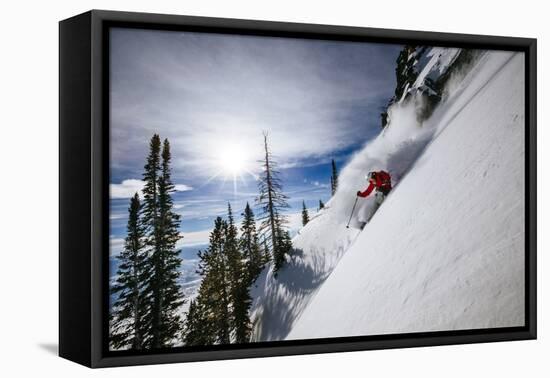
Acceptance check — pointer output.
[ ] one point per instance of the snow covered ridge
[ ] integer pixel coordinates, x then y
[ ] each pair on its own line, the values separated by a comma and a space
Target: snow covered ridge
445, 250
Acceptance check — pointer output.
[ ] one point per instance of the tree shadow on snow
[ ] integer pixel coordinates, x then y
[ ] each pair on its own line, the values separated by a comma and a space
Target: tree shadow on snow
285, 301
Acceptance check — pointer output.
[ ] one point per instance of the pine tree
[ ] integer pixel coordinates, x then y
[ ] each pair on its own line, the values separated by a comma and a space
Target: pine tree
197, 329
305, 215
127, 310
172, 297
238, 282
164, 295
213, 296
333, 178
283, 242
271, 201
220, 313
250, 246
321, 205
150, 220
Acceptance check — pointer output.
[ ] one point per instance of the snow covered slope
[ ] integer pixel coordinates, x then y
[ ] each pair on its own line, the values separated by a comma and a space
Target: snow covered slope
278, 302
445, 251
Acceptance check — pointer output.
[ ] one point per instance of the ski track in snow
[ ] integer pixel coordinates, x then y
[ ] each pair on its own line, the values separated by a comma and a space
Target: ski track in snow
445, 250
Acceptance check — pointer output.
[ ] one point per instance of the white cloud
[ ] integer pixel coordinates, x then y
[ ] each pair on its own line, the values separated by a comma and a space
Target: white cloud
183, 188
191, 239
318, 98
127, 188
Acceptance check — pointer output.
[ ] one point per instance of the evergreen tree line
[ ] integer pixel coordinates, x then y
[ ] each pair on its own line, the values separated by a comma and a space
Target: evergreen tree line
220, 312
145, 313
148, 296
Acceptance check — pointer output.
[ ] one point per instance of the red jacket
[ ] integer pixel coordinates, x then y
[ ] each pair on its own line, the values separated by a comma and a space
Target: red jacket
382, 182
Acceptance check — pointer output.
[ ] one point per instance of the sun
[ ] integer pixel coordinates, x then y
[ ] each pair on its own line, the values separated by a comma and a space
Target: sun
232, 160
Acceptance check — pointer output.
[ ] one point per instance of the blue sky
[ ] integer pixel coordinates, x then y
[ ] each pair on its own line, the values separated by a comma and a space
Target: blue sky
214, 95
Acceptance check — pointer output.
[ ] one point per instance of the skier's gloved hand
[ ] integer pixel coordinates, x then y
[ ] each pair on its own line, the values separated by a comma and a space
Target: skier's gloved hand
358, 193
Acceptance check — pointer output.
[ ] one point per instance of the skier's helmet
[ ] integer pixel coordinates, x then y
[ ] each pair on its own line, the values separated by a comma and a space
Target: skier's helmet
369, 176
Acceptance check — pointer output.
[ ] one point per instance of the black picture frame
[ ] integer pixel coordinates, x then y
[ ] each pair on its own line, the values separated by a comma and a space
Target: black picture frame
84, 187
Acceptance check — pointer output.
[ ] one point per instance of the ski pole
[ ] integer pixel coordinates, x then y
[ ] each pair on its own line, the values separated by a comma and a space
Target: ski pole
352, 210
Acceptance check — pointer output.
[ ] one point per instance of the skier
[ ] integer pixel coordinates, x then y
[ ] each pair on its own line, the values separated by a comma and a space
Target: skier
381, 181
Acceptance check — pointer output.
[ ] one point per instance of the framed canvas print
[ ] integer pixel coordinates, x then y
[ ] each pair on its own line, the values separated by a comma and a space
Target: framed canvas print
234, 188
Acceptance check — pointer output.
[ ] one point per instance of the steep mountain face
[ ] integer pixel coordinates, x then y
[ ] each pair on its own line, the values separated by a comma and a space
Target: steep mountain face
422, 74
445, 250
